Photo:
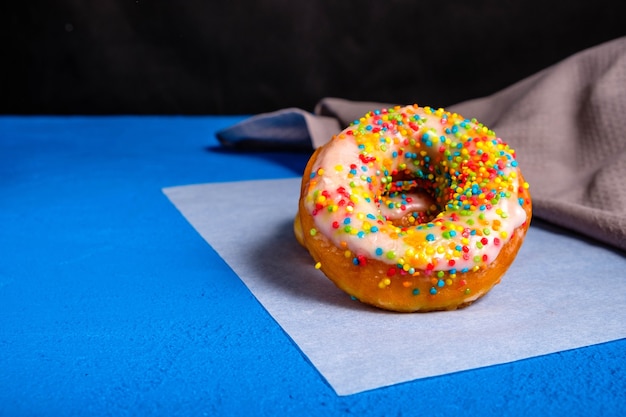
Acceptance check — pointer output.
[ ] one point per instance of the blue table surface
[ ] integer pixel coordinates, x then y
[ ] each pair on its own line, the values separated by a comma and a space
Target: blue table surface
111, 303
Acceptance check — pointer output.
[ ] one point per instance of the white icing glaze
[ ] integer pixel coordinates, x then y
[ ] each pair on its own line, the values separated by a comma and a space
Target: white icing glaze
352, 174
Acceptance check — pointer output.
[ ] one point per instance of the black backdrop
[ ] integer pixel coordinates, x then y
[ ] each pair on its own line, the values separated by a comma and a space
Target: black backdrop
247, 56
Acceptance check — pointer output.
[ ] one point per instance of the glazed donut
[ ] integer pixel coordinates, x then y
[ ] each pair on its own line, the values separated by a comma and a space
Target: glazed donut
413, 209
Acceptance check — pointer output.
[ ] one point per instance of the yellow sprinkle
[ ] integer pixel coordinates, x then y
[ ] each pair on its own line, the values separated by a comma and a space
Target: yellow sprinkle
318, 265
384, 283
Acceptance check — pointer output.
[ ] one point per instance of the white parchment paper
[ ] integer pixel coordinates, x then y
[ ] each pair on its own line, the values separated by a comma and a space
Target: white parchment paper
562, 292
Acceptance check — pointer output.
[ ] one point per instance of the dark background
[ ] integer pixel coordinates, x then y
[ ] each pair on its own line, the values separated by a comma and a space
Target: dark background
244, 56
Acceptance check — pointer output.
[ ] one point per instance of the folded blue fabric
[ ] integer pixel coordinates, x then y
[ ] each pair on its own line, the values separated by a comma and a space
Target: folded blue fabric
290, 128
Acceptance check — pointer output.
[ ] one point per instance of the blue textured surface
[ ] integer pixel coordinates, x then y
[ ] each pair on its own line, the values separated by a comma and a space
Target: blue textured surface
111, 304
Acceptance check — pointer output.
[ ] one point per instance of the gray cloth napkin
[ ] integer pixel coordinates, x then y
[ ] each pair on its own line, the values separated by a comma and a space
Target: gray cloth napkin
567, 124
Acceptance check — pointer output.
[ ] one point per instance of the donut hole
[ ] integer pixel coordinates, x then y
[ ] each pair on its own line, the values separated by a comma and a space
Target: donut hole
407, 200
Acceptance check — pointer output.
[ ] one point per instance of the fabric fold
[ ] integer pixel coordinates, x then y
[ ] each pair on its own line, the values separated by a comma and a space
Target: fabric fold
290, 128
566, 122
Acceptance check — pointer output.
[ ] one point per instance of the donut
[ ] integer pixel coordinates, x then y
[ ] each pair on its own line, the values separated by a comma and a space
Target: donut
413, 209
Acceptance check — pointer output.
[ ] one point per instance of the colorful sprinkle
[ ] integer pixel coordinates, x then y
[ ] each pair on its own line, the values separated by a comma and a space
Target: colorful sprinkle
427, 191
